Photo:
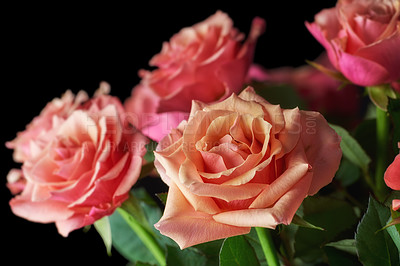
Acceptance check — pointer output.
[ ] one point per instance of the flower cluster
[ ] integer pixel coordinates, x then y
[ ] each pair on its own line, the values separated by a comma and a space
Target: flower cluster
232, 159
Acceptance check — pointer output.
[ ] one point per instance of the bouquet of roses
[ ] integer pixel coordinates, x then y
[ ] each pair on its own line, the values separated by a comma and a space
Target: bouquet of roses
252, 179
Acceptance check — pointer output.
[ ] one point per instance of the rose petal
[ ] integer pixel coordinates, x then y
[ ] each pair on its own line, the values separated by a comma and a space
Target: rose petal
322, 147
218, 128
130, 177
396, 204
163, 124
290, 134
191, 179
325, 28
367, 29
213, 163
81, 162
141, 106
297, 168
385, 53
243, 174
41, 211
73, 191
172, 165
274, 114
201, 91
197, 106
241, 130
238, 105
281, 212
196, 128
168, 161
230, 154
80, 127
64, 227
44, 172
15, 181
188, 227
362, 71
105, 180
40, 193
392, 174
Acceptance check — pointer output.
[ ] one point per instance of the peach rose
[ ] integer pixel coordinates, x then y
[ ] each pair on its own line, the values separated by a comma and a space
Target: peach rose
205, 62
362, 38
79, 166
392, 179
242, 163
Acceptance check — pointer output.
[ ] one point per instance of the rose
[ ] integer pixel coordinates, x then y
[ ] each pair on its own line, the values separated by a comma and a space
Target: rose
79, 169
205, 62
242, 163
392, 178
362, 38
319, 91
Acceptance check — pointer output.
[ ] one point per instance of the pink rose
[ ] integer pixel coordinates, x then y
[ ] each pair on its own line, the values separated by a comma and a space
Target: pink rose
79, 167
242, 163
205, 62
392, 178
320, 91
362, 38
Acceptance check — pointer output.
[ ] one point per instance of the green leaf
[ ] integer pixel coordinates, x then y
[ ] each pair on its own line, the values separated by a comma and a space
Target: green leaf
146, 212
395, 218
352, 151
188, 256
152, 213
375, 248
394, 222
127, 242
211, 251
346, 245
392, 231
206, 254
104, 229
297, 220
348, 173
335, 216
237, 251
133, 206
139, 263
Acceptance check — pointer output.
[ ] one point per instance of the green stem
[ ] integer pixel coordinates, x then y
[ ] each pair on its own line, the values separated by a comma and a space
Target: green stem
147, 239
268, 247
382, 140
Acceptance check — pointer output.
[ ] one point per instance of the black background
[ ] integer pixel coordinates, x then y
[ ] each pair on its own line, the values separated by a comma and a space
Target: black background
50, 49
